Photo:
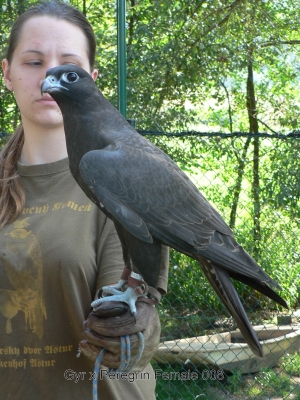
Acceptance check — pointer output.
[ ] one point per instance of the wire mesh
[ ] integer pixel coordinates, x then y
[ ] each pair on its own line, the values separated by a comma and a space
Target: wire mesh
201, 353
204, 56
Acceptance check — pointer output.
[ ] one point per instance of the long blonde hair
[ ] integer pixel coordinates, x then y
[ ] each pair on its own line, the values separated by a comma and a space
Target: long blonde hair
12, 195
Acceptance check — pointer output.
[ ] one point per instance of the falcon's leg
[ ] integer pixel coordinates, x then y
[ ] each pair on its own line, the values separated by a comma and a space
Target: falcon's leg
142, 257
119, 287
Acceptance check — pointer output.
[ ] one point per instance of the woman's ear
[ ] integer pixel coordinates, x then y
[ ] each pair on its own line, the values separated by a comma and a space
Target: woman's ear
94, 74
6, 73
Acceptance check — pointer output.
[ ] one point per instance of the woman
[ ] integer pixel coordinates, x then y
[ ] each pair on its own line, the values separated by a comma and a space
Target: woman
56, 248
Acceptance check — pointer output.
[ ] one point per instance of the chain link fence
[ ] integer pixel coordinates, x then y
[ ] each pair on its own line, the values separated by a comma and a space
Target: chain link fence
253, 180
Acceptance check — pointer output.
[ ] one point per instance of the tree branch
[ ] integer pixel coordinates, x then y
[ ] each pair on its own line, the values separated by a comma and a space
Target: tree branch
276, 43
267, 126
238, 185
168, 75
232, 7
229, 106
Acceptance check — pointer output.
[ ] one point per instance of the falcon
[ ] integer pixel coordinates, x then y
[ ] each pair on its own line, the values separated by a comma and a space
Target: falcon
149, 198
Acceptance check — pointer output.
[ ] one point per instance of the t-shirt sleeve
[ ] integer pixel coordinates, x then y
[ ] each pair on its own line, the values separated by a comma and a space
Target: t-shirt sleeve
109, 256
110, 259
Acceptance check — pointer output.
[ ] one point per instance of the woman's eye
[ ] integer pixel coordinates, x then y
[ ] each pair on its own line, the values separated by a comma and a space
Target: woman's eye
33, 63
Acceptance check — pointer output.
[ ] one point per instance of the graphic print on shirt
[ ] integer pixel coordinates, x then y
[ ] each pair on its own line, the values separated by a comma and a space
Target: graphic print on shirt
22, 259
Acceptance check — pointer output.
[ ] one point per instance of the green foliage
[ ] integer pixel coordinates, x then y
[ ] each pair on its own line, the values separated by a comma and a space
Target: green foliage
171, 385
291, 364
213, 164
187, 66
187, 61
266, 384
269, 383
235, 381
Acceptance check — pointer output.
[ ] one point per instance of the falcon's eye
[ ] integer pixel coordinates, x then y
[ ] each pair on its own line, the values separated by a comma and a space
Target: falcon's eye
70, 77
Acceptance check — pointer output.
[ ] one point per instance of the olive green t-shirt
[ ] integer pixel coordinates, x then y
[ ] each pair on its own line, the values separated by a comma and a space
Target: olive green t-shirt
53, 258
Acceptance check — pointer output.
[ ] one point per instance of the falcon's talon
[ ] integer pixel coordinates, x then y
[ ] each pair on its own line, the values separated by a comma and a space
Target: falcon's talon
129, 297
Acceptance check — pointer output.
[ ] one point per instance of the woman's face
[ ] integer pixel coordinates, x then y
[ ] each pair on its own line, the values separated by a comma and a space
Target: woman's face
44, 42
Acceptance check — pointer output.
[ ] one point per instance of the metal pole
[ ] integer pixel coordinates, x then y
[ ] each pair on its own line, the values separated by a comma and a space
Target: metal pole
121, 44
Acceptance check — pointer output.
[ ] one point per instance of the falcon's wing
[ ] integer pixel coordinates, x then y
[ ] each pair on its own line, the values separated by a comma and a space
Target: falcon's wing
150, 196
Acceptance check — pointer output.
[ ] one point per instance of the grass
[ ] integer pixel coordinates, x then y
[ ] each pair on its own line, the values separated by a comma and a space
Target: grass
197, 385
282, 382
291, 364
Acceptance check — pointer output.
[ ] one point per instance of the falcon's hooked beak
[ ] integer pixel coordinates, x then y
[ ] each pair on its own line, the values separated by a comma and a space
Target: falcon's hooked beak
52, 84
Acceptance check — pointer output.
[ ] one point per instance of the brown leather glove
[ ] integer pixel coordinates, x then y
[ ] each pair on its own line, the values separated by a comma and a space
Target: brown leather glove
109, 322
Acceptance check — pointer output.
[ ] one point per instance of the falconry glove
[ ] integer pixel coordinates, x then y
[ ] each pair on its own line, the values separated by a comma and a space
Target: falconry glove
110, 322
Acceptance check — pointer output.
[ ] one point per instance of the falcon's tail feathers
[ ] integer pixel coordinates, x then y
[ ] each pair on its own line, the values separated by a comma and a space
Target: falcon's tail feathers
261, 287
221, 283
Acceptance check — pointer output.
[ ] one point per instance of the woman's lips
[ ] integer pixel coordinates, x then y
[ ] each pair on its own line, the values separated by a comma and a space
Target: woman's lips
47, 100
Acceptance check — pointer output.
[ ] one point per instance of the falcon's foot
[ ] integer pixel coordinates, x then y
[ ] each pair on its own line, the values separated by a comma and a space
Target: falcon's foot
114, 289
136, 288
129, 297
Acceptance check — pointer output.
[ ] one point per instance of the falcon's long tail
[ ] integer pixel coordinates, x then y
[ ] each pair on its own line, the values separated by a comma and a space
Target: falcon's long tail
221, 283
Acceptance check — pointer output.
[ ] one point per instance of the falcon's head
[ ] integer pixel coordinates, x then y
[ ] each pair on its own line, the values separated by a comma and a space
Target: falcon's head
68, 81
